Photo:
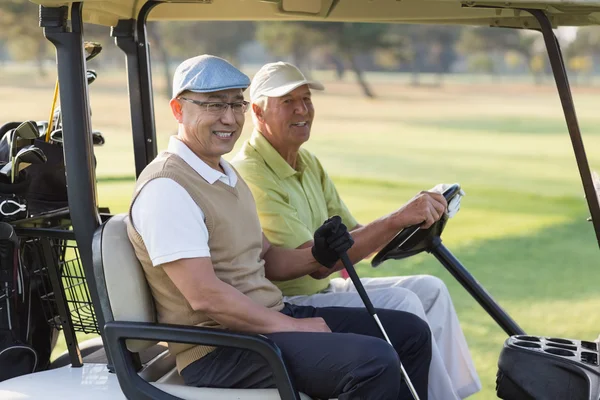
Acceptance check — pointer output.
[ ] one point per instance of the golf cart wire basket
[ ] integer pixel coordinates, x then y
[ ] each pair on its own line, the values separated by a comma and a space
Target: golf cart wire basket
58, 260
50, 255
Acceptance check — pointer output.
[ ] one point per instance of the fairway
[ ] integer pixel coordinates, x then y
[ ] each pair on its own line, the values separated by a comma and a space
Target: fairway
521, 230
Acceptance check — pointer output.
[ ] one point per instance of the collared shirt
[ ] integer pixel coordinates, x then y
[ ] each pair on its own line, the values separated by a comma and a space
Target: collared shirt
170, 222
291, 203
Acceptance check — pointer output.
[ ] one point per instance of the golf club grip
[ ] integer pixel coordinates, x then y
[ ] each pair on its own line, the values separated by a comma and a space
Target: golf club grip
357, 283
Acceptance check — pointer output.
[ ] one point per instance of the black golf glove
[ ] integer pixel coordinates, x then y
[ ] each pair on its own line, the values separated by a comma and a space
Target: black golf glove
331, 240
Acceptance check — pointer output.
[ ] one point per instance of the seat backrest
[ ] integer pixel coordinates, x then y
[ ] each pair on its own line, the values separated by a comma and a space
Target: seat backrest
123, 291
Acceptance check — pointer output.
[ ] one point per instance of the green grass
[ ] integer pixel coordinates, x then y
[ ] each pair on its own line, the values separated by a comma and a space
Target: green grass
521, 231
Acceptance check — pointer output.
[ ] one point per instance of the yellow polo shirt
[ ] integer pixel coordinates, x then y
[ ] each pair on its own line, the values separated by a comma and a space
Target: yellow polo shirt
291, 203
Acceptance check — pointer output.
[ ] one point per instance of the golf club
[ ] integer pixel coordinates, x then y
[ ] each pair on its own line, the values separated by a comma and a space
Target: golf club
92, 49
5, 172
56, 136
21, 135
28, 154
42, 127
97, 137
29, 158
91, 76
28, 132
367, 302
52, 114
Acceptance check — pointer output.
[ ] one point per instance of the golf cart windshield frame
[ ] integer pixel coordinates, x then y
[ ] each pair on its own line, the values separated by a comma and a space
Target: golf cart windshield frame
130, 36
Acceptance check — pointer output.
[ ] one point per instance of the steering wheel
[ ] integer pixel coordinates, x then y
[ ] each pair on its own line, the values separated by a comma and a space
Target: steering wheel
413, 240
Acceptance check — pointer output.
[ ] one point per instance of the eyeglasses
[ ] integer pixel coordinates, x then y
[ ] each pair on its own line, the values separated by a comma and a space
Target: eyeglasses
220, 107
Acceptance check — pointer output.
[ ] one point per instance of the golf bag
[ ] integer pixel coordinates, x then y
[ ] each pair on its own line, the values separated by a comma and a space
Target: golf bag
39, 188
25, 335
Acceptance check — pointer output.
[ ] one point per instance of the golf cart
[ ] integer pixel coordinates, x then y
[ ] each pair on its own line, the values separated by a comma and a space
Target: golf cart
98, 285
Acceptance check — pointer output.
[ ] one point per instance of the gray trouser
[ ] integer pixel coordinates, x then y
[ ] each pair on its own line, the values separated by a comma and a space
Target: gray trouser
352, 362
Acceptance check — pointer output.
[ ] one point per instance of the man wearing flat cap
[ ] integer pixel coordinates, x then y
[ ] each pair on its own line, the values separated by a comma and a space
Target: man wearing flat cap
294, 195
194, 227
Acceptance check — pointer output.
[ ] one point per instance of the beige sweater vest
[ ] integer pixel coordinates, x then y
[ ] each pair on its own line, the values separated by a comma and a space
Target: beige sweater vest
235, 242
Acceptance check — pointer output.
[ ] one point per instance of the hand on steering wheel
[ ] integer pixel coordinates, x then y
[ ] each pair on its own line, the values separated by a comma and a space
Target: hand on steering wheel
454, 203
418, 237
423, 210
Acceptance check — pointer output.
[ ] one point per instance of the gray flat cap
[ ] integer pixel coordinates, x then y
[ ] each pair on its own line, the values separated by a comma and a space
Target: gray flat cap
207, 73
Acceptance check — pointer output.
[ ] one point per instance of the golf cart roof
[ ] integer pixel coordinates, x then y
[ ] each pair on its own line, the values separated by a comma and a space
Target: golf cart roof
467, 12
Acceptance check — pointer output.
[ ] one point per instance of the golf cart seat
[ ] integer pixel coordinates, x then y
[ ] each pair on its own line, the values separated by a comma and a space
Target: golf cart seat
131, 327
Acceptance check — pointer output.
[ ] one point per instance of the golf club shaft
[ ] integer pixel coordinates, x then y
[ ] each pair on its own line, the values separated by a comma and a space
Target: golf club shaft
49, 129
367, 301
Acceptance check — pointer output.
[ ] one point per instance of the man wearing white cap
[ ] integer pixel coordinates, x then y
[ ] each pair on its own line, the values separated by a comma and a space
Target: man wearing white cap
294, 195
194, 227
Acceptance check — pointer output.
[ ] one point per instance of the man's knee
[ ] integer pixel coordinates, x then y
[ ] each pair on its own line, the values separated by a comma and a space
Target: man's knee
398, 298
434, 284
417, 327
408, 332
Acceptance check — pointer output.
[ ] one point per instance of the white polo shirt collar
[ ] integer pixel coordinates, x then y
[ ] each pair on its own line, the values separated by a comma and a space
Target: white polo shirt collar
209, 174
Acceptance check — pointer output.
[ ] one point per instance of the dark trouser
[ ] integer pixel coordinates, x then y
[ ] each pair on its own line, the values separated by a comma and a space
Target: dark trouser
353, 362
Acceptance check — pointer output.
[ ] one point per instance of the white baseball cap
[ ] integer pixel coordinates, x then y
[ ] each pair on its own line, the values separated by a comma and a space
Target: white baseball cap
278, 79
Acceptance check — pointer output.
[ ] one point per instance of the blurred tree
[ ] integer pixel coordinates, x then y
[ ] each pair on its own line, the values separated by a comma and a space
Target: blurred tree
187, 39
156, 40
580, 53
19, 28
429, 47
349, 40
220, 38
481, 63
290, 39
343, 42
484, 39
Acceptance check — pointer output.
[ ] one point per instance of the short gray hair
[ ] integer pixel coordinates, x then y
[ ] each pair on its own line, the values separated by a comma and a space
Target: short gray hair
261, 101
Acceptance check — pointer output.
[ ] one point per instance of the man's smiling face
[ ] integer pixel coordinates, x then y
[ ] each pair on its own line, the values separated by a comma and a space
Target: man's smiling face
213, 133
288, 119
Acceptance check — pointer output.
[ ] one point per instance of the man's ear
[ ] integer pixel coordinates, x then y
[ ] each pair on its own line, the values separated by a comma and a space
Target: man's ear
258, 112
177, 110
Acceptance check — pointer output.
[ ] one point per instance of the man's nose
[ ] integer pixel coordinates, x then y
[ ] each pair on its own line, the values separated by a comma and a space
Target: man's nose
301, 107
228, 117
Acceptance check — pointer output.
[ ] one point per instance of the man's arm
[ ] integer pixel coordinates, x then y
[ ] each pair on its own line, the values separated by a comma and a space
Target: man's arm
196, 280
283, 264
424, 209
173, 229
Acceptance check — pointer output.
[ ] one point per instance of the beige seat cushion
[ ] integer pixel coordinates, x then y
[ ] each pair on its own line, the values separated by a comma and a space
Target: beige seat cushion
128, 292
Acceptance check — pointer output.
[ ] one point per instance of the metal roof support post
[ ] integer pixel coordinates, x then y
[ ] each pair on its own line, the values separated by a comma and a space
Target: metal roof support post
77, 145
130, 37
566, 99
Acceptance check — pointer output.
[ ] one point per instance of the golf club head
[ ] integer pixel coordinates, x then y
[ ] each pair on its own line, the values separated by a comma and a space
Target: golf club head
31, 154
27, 130
56, 136
5, 172
42, 127
91, 76
97, 138
28, 154
57, 118
92, 49
24, 135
